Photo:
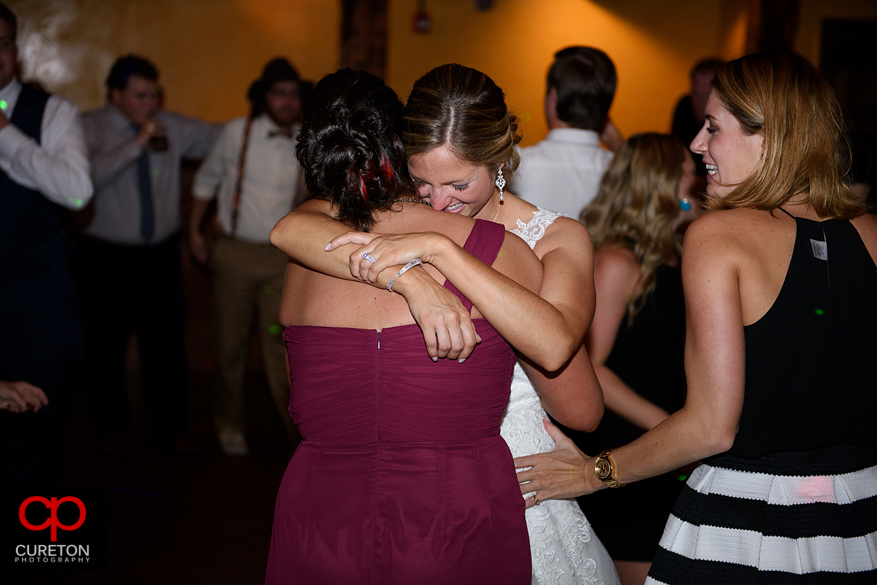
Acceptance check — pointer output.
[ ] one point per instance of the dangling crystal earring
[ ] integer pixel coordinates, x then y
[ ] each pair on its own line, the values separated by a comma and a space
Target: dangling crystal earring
500, 183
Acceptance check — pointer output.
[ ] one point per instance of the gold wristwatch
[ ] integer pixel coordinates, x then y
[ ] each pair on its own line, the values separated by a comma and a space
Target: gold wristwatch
604, 467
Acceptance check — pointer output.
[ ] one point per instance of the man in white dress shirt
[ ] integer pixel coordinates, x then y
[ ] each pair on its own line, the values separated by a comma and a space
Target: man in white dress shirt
254, 176
563, 172
127, 262
43, 173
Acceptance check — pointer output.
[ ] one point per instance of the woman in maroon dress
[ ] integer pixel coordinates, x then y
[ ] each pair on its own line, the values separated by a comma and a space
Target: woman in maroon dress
401, 476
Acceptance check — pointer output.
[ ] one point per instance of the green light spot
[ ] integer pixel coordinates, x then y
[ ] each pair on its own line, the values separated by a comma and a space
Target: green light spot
77, 203
274, 329
154, 173
682, 478
819, 312
3, 105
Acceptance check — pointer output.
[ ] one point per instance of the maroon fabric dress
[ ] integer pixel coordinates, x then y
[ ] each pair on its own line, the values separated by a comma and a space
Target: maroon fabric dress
401, 476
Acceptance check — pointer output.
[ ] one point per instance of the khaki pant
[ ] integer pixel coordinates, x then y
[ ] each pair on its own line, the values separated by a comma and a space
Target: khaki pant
247, 276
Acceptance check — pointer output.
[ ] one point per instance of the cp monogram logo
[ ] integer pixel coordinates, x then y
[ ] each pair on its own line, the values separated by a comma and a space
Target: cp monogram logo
52, 506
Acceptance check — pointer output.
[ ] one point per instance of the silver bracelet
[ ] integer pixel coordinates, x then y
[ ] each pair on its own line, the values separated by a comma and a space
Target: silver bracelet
406, 268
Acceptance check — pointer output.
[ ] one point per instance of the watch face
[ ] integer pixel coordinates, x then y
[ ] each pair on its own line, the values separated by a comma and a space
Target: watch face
603, 468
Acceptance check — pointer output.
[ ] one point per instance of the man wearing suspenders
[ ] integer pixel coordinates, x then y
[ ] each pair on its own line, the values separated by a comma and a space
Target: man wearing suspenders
254, 176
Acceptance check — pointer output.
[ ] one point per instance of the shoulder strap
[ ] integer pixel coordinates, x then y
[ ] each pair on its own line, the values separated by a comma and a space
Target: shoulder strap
484, 242
786, 212
236, 202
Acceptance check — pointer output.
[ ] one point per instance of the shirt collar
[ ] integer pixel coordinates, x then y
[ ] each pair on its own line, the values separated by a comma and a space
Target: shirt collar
118, 119
10, 94
267, 125
576, 135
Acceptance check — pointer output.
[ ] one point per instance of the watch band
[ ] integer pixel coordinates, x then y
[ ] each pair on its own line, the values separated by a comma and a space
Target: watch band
604, 468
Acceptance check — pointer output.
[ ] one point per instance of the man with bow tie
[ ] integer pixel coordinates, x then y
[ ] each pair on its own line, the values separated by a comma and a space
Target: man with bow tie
256, 180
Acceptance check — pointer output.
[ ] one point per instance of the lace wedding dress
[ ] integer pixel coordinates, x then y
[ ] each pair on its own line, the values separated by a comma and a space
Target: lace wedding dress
563, 548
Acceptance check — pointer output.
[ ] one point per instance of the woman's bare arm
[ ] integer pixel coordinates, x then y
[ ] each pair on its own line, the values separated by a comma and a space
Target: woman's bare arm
532, 325
447, 326
616, 276
570, 395
715, 363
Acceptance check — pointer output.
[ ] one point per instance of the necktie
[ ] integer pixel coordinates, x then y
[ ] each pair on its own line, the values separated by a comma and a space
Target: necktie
144, 188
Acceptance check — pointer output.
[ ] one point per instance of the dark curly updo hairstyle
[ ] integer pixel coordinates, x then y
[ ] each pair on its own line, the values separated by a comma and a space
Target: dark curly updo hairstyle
349, 146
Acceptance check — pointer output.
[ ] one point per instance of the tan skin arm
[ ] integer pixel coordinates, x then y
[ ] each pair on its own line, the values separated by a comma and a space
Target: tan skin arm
197, 241
715, 362
491, 292
447, 326
571, 395
616, 275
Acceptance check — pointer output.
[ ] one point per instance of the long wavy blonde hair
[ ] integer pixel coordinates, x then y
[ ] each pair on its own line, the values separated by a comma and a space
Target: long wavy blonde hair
637, 205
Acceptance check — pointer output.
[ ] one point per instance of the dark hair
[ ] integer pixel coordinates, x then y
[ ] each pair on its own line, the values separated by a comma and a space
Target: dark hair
463, 109
708, 65
11, 21
125, 67
349, 145
277, 69
585, 80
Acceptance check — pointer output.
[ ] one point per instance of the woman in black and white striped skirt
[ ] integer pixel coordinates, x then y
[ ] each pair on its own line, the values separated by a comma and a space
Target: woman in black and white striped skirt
780, 286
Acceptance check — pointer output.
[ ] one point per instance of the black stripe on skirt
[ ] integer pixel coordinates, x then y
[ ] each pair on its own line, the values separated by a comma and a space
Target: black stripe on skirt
670, 567
795, 521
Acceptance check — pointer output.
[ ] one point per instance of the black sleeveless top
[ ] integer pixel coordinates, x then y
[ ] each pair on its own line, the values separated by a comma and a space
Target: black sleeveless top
811, 378
648, 357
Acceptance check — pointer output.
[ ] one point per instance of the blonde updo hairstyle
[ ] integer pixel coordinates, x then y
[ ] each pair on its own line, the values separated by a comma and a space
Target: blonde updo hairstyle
463, 109
637, 205
782, 96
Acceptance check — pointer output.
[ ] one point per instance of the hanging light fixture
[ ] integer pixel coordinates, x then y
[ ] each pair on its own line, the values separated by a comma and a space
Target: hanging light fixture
422, 22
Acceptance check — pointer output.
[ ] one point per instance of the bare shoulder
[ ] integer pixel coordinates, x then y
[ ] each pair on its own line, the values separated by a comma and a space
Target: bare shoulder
866, 225
565, 233
736, 229
616, 263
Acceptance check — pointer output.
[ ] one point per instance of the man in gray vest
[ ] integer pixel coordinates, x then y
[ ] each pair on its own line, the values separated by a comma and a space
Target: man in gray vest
43, 173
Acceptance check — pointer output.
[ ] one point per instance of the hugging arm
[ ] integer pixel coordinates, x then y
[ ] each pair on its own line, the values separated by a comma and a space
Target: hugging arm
714, 364
447, 326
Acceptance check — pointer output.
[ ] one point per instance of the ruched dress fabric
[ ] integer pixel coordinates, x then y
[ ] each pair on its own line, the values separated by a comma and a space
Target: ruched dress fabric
401, 476
794, 500
563, 547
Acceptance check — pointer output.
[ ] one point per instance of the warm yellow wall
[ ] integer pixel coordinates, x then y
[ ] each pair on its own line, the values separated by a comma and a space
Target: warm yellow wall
653, 45
207, 51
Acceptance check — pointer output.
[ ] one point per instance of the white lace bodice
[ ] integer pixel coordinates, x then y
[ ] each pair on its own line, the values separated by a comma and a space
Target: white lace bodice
562, 547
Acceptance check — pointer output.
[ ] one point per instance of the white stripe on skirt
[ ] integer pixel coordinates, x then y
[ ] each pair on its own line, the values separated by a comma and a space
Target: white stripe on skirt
785, 490
770, 553
776, 553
